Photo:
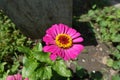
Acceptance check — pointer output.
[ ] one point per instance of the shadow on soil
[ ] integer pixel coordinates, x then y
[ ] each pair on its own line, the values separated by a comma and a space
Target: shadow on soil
83, 74
86, 32
81, 7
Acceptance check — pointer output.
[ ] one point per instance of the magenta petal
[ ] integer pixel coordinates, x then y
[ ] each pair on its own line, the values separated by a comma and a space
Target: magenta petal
78, 47
48, 39
75, 50
62, 55
72, 53
71, 31
10, 78
50, 48
18, 77
51, 31
58, 30
66, 57
61, 28
53, 56
46, 48
66, 29
75, 35
59, 52
26, 79
54, 29
80, 39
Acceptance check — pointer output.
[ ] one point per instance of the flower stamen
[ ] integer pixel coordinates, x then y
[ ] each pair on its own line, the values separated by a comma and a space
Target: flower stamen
63, 40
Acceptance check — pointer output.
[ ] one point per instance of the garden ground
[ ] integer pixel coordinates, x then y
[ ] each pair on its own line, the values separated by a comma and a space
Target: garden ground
94, 58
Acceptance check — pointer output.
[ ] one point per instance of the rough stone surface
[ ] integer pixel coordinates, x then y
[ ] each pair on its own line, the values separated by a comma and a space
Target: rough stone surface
33, 17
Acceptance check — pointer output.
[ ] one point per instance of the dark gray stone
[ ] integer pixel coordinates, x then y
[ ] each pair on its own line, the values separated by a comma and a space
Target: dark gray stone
33, 17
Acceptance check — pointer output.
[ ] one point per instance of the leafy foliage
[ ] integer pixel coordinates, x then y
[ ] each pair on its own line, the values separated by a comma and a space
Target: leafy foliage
38, 65
116, 77
10, 39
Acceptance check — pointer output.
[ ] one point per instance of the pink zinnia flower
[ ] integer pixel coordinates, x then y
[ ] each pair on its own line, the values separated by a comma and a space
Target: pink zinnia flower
15, 77
11, 77
62, 41
18, 77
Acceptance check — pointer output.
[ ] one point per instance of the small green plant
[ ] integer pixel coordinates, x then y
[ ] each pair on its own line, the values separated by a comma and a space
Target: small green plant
38, 66
116, 77
106, 25
3, 74
10, 39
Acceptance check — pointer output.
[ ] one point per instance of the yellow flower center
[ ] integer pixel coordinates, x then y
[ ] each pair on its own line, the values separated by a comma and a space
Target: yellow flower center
63, 40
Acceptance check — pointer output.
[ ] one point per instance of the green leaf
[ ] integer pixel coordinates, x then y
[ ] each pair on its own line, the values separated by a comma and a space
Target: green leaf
116, 38
37, 47
2, 66
29, 66
91, 13
113, 30
116, 65
24, 49
103, 23
61, 69
116, 53
3, 75
84, 18
33, 76
42, 57
110, 62
116, 77
57, 76
98, 19
118, 47
44, 73
94, 6
15, 66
